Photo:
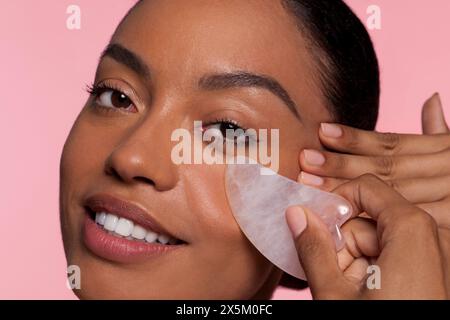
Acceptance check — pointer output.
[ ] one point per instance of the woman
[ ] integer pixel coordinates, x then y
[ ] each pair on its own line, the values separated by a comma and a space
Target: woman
287, 65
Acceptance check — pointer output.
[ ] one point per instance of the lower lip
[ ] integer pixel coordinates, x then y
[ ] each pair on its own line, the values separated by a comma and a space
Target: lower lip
121, 250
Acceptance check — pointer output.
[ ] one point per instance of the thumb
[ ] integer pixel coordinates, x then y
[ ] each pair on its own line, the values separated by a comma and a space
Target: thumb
433, 118
316, 251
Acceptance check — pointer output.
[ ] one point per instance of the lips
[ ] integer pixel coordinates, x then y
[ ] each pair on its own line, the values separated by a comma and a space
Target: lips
121, 231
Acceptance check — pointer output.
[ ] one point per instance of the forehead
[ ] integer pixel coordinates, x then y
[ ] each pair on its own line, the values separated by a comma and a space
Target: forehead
186, 39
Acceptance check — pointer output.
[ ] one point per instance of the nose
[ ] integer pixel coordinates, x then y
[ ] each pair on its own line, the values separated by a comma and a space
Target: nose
143, 157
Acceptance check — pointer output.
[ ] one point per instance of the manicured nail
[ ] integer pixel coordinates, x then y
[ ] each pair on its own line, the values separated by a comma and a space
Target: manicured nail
310, 179
296, 220
314, 158
331, 130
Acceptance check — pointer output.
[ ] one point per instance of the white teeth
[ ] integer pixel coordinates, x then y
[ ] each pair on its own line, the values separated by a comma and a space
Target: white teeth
100, 218
151, 236
127, 229
111, 222
124, 227
138, 232
163, 239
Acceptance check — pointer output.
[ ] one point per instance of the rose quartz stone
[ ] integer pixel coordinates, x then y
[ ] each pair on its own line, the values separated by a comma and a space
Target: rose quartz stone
259, 201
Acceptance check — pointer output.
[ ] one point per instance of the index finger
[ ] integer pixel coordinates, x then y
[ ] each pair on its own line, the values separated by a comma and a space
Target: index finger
408, 237
361, 142
371, 195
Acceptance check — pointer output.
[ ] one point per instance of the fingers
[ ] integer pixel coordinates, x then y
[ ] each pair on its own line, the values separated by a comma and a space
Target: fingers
361, 241
316, 252
422, 190
407, 235
350, 140
438, 212
322, 183
409, 250
430, 194
373, 196
433, 118
370, 194
415, 190
357, 271
346, 166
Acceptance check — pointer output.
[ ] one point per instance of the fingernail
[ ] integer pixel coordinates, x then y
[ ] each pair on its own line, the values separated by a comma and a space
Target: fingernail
296, 220
310, 179
437, 96
314, 158
331, 130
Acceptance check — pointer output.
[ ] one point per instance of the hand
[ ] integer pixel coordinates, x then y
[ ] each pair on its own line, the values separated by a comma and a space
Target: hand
417, 166
409, 254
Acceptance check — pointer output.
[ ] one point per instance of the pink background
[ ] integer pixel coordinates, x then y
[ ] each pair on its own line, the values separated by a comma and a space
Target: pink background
44, 68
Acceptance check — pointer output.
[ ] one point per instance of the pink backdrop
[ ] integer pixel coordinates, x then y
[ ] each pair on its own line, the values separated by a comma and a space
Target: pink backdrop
44, 68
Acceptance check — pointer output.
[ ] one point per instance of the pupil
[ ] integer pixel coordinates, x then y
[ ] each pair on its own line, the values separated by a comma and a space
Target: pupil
120, 100
225, 127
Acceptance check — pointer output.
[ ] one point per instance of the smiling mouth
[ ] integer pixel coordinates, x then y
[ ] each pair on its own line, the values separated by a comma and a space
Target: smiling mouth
124, 228
124, 232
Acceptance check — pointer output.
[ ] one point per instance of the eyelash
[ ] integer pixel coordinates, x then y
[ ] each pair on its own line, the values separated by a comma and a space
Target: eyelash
227, 121
96, 90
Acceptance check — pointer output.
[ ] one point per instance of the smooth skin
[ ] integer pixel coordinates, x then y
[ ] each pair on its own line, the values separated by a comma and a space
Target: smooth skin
405, 247
417, 166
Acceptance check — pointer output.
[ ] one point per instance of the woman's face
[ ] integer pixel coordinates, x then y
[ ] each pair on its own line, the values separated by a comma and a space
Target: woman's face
117, 158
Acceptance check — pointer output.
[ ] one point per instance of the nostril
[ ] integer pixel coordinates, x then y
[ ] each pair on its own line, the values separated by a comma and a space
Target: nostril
111, 171
144, 180
114, 173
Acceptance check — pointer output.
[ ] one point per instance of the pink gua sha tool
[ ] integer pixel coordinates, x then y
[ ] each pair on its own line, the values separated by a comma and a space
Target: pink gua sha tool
259, 197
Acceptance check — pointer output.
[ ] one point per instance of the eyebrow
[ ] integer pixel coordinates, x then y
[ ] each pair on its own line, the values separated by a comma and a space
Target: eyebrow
219, 81
127, 58
242, 79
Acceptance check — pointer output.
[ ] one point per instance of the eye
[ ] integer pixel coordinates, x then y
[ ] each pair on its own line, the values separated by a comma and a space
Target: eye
228, 130
107, 96
114, 99
222, 127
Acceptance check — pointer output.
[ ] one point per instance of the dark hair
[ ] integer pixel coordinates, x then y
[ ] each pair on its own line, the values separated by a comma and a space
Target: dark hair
347, 63
345, 56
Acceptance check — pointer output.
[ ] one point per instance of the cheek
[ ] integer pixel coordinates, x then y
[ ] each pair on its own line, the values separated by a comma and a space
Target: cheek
292, 142
85, 151
206, 197
220, 241
296, 136
82, 162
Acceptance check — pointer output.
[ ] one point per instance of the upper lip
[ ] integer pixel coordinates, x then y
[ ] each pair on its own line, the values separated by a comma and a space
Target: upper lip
125, 209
